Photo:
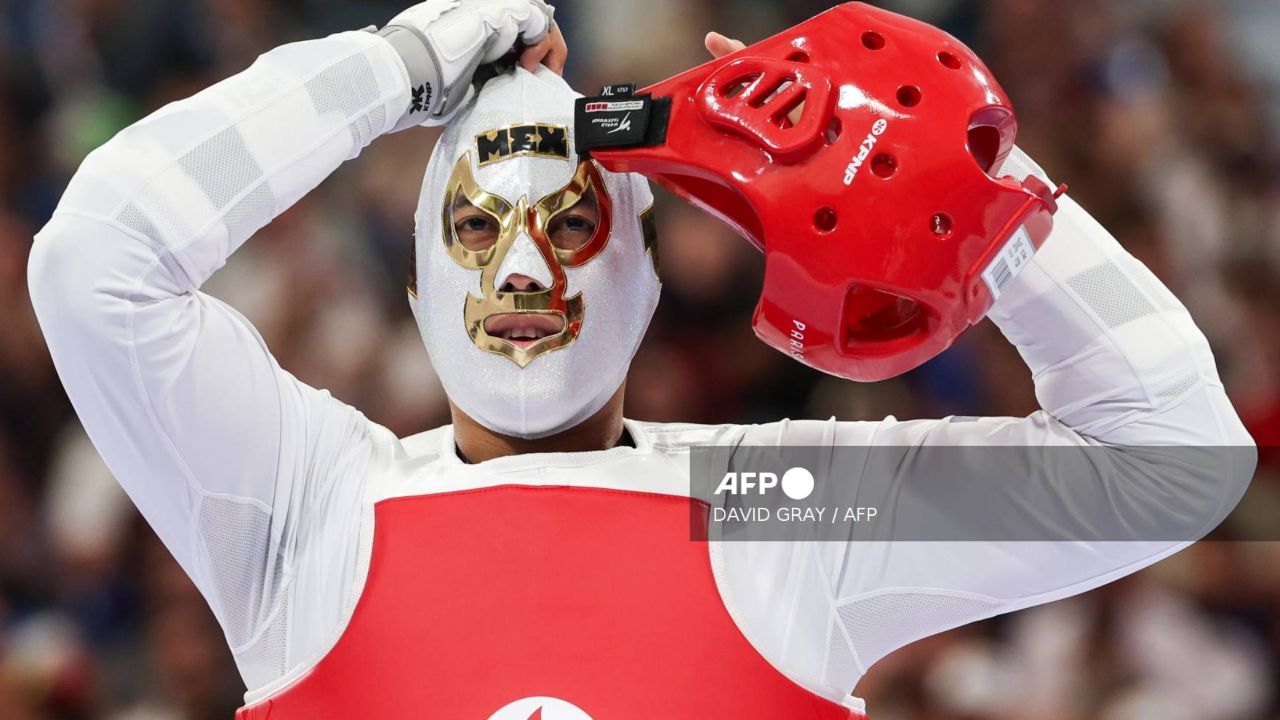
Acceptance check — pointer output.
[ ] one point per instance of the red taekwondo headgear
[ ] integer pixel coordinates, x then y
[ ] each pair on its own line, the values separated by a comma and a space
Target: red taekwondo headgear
856, 150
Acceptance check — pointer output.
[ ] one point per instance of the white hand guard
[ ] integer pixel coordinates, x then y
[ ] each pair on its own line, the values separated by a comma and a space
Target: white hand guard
442, 42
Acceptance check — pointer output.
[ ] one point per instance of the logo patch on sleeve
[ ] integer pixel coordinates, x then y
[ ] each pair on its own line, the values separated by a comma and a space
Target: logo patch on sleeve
551, 141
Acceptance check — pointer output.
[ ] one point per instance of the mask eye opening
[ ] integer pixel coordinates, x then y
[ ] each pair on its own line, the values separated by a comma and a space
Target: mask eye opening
483, 239
460, 190
587, 179
586, 204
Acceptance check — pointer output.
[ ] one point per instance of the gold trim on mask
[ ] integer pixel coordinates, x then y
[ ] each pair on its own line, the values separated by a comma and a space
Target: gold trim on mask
649, 230
413, 268
584, 180
512, 220
462, 184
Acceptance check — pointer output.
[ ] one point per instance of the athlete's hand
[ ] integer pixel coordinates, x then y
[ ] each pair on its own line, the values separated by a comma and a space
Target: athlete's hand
719, 45
551, 51
442, 42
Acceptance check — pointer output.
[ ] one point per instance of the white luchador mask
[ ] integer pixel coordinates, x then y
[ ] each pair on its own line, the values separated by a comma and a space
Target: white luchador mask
535, 272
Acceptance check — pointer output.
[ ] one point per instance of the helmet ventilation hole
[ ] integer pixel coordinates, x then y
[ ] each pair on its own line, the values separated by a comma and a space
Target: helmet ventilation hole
884, 165
909, 96
941, 225
834, 129
825, 219
872, 40
984, 146
948, 60
737, 87
791, 116
762, 99
799, 56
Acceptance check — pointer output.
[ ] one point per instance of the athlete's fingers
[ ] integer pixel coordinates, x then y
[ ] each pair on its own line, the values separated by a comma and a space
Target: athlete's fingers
719, 45
551, 51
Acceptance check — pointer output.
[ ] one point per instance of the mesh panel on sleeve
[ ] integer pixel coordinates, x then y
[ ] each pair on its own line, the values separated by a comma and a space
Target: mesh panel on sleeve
1178, 388
841, 670
878, 625
366, 128
1151, 286
252, 212
237, 538
349, 87
1110, 294
152, 211
133, 218
267, 659
1172, 379
222, 166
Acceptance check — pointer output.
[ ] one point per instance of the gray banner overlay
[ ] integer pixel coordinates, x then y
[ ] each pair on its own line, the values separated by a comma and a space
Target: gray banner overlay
982, 494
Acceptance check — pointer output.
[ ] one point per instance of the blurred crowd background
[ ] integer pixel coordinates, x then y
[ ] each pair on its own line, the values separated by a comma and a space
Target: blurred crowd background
1162, 115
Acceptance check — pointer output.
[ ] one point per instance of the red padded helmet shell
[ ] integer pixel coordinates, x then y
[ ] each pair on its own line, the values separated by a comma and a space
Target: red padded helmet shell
855, 150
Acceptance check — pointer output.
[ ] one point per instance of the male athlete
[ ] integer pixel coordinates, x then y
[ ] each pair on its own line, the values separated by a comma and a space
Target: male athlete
533, 560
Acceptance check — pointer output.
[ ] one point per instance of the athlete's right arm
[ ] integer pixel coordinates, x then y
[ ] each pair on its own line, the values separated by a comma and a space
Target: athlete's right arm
223, 451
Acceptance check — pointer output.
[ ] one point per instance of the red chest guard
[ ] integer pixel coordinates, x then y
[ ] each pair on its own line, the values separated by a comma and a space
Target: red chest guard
553, 603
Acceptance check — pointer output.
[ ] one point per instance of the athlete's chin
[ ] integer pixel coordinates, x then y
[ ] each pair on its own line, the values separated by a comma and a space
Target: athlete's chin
530, 406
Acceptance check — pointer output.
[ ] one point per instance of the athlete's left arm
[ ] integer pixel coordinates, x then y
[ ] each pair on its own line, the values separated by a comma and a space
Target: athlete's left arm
1136, 453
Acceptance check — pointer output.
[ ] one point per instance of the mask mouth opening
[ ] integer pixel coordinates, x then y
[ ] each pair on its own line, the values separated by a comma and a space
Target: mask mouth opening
524, 328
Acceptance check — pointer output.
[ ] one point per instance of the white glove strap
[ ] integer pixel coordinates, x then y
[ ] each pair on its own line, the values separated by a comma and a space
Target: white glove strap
428, 97
438, 86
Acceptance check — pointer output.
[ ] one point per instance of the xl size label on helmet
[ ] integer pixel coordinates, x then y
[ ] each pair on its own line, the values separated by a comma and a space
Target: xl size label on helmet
864, 150
621, 121
620, 118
